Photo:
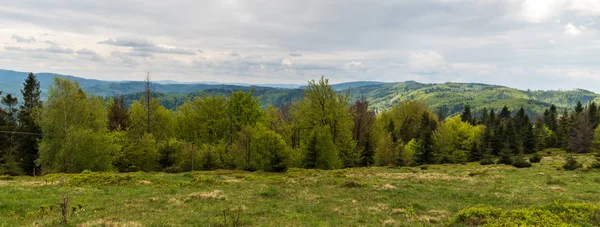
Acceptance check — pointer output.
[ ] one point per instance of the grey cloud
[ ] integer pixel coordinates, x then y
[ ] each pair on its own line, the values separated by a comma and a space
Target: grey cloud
127, 42
51, 49
468, 34
90, 55
21, 39
143, 45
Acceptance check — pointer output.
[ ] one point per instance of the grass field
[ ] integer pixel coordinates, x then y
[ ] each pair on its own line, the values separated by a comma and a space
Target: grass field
408, 196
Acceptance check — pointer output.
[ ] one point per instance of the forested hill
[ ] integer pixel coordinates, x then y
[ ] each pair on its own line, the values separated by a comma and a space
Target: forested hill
451, 97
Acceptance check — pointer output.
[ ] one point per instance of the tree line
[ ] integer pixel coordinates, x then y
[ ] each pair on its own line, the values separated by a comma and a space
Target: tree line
72, 132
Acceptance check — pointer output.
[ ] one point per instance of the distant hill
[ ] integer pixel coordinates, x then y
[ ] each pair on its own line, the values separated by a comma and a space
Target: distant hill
11, 82
451, 97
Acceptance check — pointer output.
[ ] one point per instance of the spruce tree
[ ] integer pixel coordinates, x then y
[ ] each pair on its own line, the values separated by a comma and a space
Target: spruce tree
8, 154
28, 143
118, 114
466, 115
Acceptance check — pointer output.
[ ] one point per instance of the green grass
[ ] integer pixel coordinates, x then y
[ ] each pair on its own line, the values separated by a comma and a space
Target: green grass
408, 196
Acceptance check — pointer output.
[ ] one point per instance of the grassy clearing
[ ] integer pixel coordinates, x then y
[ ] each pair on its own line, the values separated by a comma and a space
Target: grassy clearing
415, 196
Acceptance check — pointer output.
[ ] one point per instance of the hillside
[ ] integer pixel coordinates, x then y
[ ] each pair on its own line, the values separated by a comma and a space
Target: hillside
451, 97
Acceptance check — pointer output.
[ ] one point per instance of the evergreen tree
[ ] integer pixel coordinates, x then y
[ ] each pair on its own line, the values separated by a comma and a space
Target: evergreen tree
319, 150
504, 113
578, 107
581, 134
426, 153
466, 115
8, 150
28, 142
118, 114
592, 110
563, 130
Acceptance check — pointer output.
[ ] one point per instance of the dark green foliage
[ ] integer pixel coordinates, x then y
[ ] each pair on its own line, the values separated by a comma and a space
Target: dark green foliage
571, 163
118, 114
506, 155
521, 162
28, 143
425, 153
581, 134
537, 157
466, 115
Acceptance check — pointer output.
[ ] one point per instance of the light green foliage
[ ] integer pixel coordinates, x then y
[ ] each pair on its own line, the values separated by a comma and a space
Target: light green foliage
596, 141
243, 110
319, 150
160, 124
543, 137
454, 138
410, 150
323, 108
202, 120
553, 214
279, 123
141, 155
76, 130
404, 120
386, 153
273, 152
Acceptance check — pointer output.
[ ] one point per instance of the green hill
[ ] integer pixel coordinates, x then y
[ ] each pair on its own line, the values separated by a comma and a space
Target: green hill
451, 97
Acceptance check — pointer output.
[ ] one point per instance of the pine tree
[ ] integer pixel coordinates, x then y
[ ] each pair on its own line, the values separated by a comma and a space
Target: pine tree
504, 113
118, 114
28, 143
466, 115
8, 151
592, 110
425, 154
578, 107
581, 134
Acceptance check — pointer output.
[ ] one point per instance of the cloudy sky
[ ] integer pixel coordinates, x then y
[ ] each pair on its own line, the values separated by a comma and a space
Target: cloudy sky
536, 44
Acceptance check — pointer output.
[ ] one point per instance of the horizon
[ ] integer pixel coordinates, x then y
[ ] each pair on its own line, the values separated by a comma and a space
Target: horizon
524, 44
300, 85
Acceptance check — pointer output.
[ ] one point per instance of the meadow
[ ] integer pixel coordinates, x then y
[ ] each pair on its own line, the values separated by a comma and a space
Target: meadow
432, 195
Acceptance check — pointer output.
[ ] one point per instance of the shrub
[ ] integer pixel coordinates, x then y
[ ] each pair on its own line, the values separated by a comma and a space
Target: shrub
520, 162
572, 163
487, 161
553, 214
6, 177
536, 158
351, 184
554, 181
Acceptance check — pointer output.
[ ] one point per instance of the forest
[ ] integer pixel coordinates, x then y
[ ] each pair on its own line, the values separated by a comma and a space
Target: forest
72, 132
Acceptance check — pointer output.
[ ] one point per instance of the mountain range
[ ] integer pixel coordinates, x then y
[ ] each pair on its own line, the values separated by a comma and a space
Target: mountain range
450, 97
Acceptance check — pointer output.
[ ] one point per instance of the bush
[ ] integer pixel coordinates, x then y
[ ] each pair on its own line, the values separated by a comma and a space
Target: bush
553, 214
536, 158
487, 161
520, 162
572, 163
6, 177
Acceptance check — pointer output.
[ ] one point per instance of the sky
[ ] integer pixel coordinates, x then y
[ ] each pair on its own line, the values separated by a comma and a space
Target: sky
527, 44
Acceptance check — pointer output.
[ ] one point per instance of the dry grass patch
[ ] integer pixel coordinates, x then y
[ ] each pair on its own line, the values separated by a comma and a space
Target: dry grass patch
422, 176
214, 195
110, 223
